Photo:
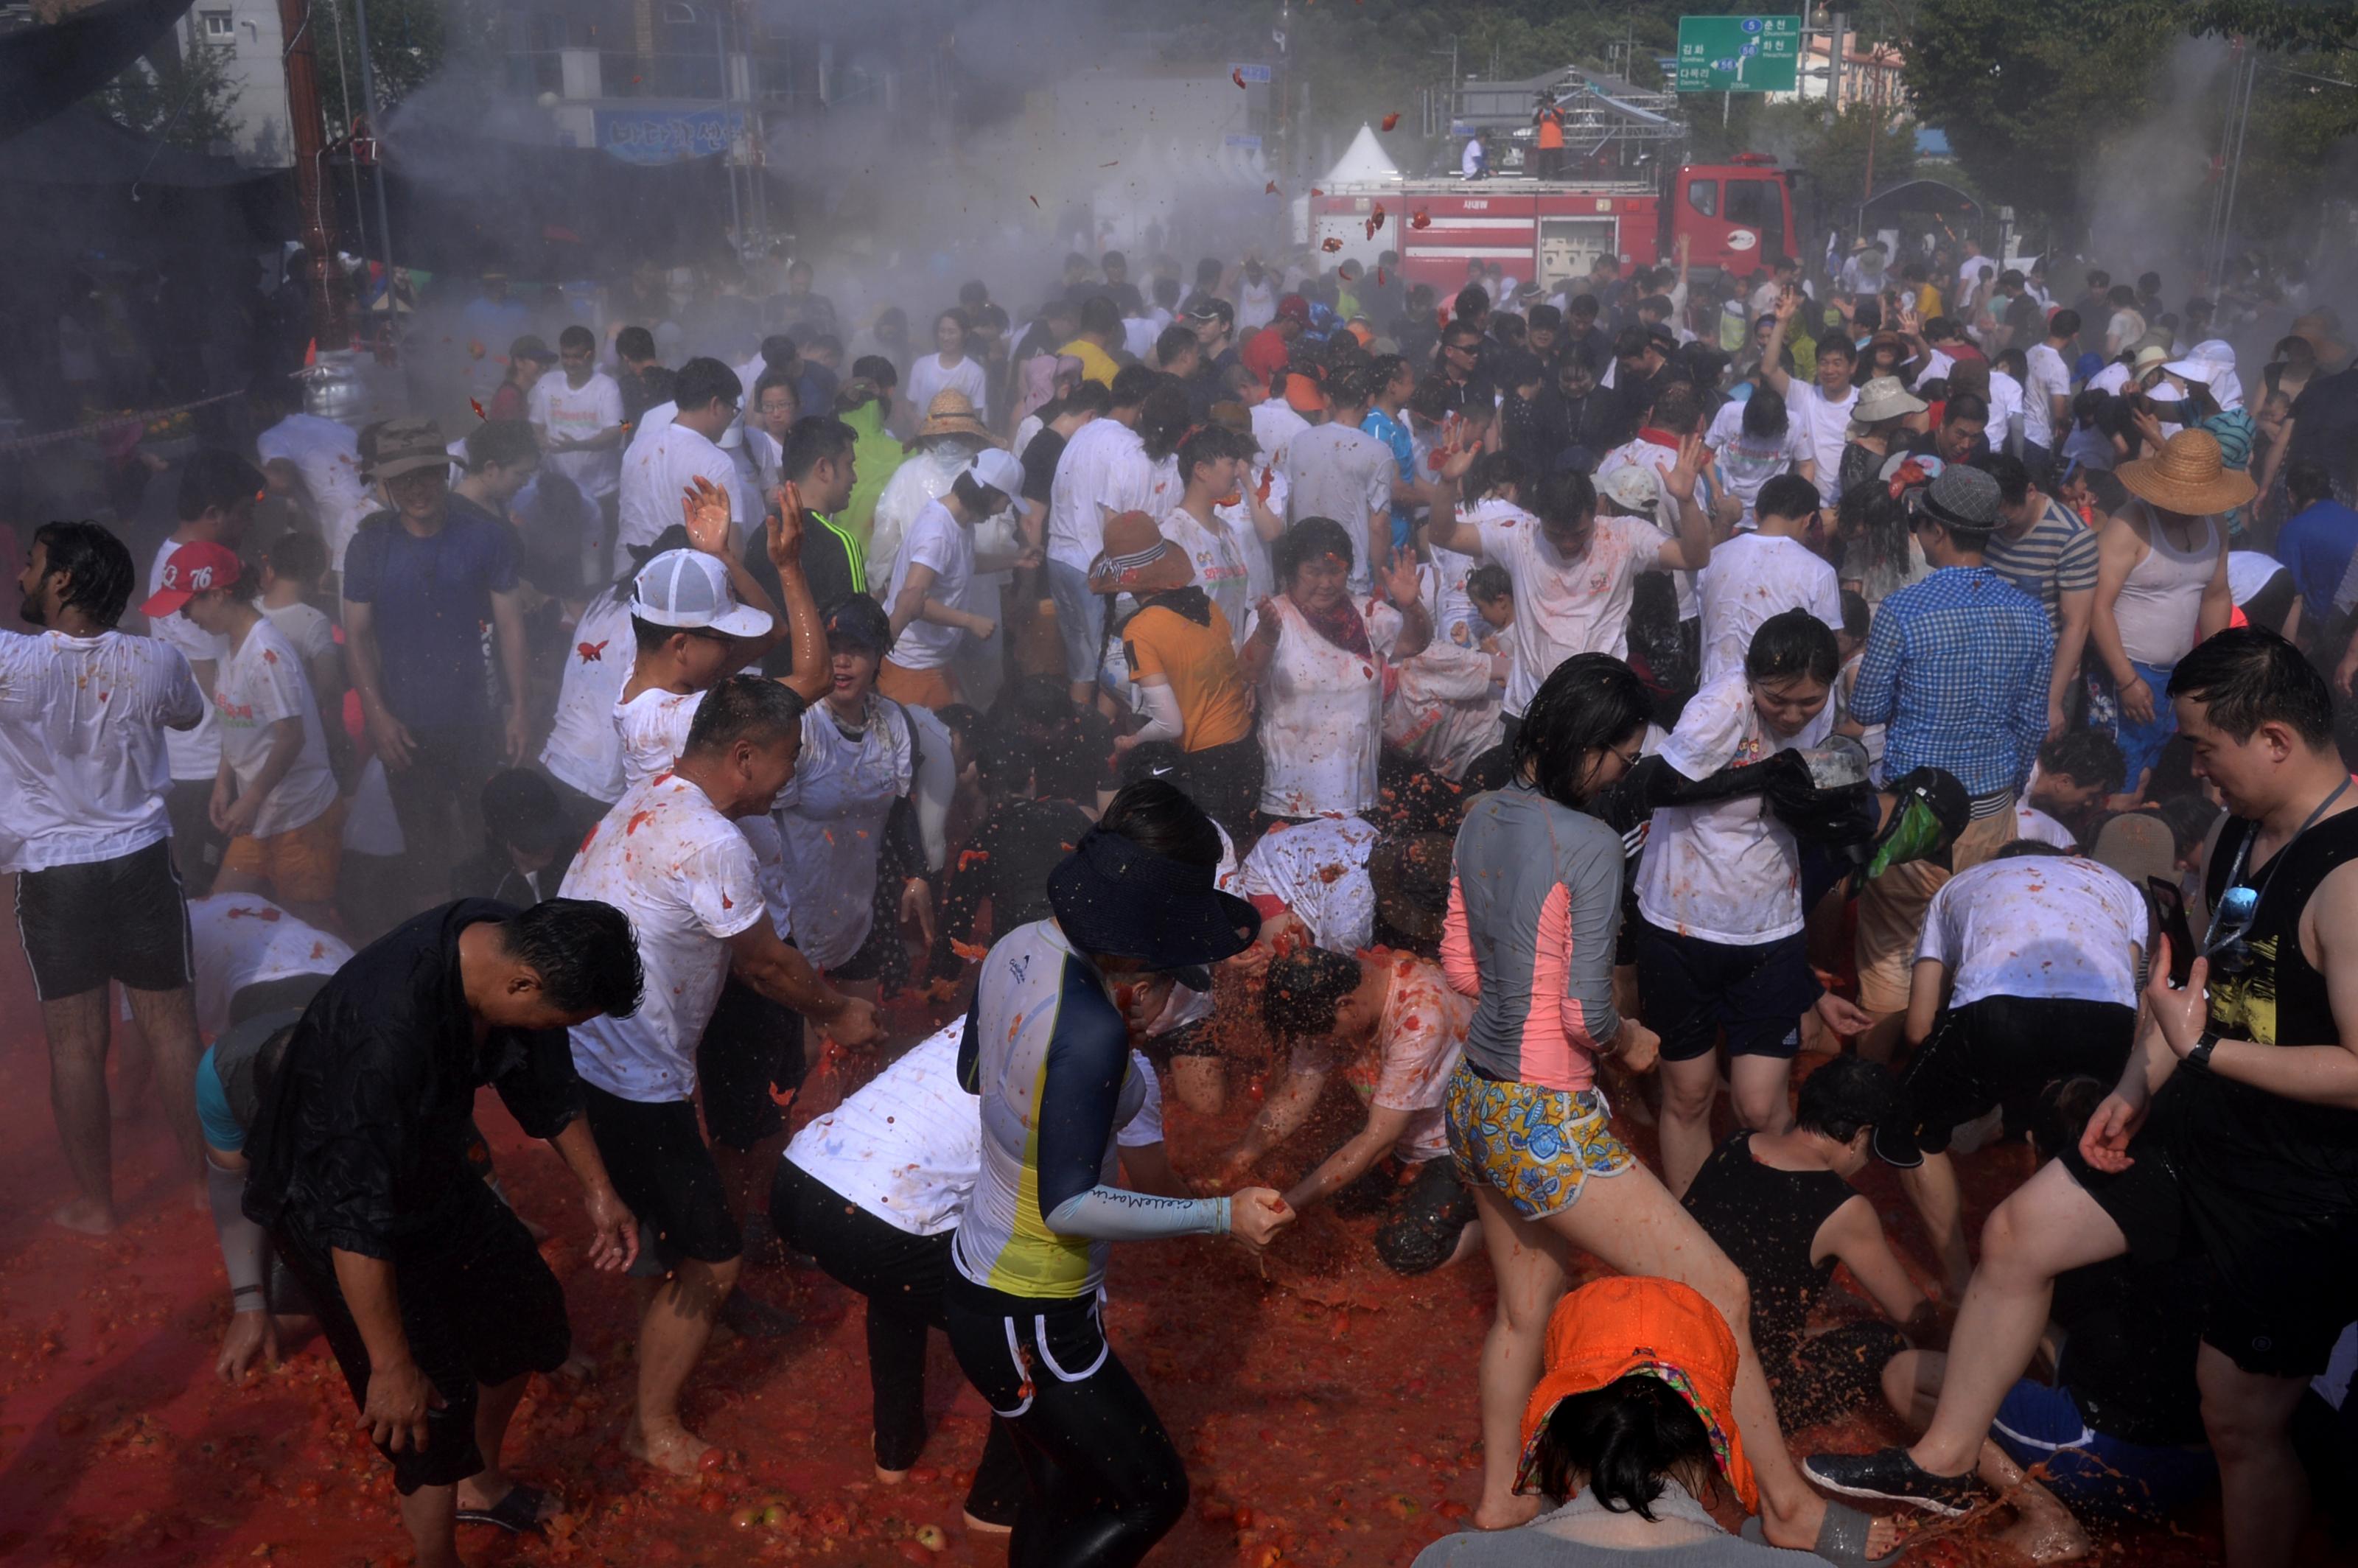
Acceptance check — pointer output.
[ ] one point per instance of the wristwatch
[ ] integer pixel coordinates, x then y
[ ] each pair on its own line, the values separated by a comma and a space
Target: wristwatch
2201, 1054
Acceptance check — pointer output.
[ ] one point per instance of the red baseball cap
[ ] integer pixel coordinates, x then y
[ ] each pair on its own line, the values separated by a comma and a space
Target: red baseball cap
193, 568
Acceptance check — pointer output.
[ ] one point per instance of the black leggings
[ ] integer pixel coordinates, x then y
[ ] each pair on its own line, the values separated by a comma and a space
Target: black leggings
1103, 1482
901, 1277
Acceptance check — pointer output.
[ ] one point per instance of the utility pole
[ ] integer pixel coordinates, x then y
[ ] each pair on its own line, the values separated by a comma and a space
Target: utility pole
376, 134
331, 307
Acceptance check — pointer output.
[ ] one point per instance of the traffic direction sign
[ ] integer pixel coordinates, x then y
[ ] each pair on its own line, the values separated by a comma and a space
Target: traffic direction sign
1739, 54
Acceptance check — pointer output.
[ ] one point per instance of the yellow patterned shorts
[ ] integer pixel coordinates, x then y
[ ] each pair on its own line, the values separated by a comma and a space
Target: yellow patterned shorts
1539, 1146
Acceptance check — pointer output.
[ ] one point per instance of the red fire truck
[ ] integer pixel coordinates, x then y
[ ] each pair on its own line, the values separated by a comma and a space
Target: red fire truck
1619, 187
1735, 217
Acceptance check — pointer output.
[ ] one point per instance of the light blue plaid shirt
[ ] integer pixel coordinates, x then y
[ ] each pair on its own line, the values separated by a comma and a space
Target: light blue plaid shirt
1957, 666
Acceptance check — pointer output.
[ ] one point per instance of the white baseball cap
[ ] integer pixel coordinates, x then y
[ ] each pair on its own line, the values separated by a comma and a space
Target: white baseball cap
689, 590
1000, 469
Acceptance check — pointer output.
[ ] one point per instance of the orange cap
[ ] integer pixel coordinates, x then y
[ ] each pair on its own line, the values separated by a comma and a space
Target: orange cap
1608, 1330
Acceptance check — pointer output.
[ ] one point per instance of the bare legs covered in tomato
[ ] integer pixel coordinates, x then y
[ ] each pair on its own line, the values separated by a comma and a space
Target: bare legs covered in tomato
1632, 1224
675, 1326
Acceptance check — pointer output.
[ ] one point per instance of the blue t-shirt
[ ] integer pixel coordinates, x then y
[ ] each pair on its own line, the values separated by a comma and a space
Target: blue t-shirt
222, 1127
1394, 434
431, 598
2315, 546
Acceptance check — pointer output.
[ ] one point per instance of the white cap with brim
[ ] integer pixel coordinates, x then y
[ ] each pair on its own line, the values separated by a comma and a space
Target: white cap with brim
1000, 469
689, 591
2193, 370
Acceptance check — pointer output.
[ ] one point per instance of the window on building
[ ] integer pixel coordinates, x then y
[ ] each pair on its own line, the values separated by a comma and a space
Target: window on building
220, 28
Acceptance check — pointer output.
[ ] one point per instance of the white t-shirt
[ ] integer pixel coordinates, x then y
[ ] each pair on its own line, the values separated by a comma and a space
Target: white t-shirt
928, 380
584, 747
1274, 426
2006, 402
259, 685
2037, 925
1728, 872
2050, 378
2031, 823
1971, 275
244, 939
327, 456
82, 744
657, 471
311, 633
652, 729
1751, 577
1319, 870
566, 412
2249, 572
1746, 462
194, 753
1104, 471
1261, 577
938, 540
1340, 471
1827, 426
1323, 716
687, 880
1220, 570
907, 1146
831, 815
1561, 606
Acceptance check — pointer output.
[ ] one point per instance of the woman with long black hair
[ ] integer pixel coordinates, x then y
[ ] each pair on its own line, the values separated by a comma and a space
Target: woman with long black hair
1534, 908
1047, 1049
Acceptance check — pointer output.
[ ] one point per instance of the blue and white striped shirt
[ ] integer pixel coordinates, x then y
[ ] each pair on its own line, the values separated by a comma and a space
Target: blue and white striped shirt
1957, 666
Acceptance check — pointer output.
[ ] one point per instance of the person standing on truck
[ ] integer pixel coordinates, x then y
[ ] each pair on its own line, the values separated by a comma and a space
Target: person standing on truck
1548, 161
1475, 165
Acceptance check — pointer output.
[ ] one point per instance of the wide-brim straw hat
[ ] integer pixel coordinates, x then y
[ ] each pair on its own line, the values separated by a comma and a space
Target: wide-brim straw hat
1885, 398
951, 412
2189, 475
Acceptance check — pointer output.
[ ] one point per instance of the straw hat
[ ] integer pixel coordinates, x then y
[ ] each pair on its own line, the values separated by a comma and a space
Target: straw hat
951, 412
2190, 477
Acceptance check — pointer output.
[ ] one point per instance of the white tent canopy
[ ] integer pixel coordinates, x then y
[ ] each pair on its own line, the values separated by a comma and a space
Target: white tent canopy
1363, 163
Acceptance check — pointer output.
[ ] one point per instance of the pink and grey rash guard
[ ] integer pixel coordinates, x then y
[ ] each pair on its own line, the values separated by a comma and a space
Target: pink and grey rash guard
1534, 905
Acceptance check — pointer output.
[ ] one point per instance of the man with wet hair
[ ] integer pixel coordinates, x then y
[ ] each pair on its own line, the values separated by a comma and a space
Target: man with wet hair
83, 713
429, 1290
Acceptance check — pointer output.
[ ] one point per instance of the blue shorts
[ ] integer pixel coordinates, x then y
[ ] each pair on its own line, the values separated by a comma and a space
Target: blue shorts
2041, 1427
2140, 744
1080, 622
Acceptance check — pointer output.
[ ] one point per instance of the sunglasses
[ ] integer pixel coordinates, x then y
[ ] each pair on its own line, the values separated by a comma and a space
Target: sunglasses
2226, 944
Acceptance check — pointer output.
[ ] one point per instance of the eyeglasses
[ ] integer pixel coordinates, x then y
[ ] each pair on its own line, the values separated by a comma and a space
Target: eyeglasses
2224, 944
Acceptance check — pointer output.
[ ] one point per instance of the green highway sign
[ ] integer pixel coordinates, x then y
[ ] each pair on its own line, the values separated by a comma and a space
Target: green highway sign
1739, 54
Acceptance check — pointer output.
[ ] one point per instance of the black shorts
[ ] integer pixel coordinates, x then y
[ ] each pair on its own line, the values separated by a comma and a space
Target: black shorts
874, 958
2000, 1049
750, 1044
654, 1153
1693, 989
1226, 782
479, 1309
1431, 1210
1831, 1375
124, 919
2206, 1182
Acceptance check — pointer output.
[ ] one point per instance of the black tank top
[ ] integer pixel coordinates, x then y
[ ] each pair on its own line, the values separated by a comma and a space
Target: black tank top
2299, 1154
1766, 1221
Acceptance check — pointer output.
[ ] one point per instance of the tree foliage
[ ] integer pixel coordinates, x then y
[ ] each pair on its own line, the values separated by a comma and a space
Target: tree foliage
182, 96
409, 42
2033, 97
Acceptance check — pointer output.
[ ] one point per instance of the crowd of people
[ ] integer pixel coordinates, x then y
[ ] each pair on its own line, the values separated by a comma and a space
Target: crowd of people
1477, 737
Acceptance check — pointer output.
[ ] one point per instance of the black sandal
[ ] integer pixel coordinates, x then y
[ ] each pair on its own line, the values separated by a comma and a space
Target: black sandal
518, 1513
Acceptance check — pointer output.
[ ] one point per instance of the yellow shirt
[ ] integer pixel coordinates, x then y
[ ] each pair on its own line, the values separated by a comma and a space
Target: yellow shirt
1095, 363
